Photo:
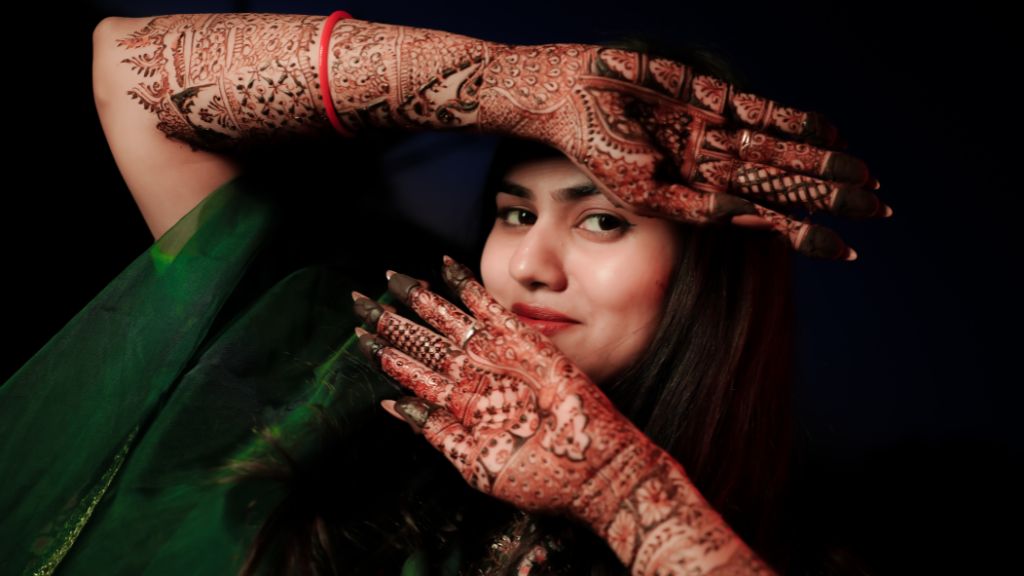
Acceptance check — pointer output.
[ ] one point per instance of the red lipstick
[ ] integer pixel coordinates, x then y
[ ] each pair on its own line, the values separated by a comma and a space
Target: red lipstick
545, 320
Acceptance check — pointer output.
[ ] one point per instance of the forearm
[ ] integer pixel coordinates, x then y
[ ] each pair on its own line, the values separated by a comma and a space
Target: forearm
219, 80
652, 516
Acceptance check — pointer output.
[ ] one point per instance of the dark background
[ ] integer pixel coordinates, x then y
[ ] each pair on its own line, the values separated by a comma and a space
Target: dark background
907, 355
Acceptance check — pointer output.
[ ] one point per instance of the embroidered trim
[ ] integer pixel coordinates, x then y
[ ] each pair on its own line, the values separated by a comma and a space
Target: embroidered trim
73, 526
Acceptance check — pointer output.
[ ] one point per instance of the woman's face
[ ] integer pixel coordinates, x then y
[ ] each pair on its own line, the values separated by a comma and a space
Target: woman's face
590, 274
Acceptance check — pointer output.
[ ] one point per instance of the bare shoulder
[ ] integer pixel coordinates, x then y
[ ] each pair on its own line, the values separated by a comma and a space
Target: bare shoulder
167, 177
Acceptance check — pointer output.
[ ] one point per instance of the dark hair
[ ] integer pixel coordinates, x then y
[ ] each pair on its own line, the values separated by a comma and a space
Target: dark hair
713, 389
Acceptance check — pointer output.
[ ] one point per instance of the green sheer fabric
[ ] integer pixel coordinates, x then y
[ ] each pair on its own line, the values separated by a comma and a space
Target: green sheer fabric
113, 437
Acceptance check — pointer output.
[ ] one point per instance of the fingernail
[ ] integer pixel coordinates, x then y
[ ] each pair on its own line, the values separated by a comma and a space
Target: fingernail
851, 254
447, 260
877, 184
389, 405
389, 274
888, 211
360, 331
358, 295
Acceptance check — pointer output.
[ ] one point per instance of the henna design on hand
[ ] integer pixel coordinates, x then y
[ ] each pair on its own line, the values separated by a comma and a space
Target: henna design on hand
649, 131
521, 422
636, 123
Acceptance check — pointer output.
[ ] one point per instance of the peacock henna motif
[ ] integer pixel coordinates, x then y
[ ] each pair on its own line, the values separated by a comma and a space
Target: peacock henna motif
521, 422
649, 131
666, 140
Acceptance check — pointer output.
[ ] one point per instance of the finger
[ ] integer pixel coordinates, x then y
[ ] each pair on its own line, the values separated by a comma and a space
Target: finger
688, 205
435, 351
767, 115
504, 340
797, 157
808, 239
444, 316
483, 306
448, 436
408, 372
715, 96
389, 407
764, 184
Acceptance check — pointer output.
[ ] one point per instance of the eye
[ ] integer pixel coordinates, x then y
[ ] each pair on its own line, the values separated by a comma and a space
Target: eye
603, 223
516, 217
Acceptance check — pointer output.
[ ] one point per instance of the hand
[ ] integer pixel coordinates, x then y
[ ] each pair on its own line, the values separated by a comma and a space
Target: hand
652, 133
517, 418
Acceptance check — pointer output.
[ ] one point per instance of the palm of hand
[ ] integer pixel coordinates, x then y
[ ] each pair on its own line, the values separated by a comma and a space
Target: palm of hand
517, 418
668, 141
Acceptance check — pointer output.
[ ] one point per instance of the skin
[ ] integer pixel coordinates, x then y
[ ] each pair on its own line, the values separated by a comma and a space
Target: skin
523, 423
650, 132
601, 264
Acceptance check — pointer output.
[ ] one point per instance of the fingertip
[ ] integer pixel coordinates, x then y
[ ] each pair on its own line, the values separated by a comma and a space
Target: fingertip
401, 285
413, 410
455, 274
820, 242
851, 254
389, 406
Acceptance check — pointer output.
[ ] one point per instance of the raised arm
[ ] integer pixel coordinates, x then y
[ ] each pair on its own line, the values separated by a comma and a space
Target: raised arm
651, 132
177, 95
167, 178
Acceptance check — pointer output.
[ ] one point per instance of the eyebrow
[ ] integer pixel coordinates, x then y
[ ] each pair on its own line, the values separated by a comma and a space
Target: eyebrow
561, 195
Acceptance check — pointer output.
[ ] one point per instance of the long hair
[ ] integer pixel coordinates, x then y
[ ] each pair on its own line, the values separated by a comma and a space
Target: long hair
713, 389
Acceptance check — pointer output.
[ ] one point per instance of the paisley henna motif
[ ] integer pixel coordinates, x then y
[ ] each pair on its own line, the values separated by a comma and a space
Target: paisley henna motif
214, 79
521, 422
629, 120
649, 131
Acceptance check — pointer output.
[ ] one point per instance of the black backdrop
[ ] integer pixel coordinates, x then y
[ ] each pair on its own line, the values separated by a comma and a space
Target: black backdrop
906, 375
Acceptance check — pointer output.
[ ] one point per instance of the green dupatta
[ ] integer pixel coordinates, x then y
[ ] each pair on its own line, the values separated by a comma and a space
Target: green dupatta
113, 436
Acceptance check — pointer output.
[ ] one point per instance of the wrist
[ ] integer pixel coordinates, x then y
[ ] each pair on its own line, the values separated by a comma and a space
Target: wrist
601, 498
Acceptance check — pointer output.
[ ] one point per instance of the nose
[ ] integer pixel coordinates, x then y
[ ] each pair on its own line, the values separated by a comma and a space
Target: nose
537, 262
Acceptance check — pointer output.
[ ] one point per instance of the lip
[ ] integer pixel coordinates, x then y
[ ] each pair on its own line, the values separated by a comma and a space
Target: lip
545, 320
541, 313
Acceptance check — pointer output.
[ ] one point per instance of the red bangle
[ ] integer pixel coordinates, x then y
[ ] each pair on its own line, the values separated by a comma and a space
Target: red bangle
325, 90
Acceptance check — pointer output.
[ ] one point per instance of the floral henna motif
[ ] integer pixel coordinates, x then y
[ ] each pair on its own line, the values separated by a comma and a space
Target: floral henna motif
214, 79
636, 123
649, 131
391, 75
521, 422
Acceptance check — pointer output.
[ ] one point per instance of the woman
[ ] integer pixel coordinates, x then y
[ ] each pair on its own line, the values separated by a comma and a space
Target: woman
207, 103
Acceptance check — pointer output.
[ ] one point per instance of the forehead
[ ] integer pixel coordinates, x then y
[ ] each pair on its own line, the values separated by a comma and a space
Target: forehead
558, 178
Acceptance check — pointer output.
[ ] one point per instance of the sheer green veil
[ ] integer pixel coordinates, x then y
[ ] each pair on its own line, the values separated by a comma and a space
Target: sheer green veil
114, 435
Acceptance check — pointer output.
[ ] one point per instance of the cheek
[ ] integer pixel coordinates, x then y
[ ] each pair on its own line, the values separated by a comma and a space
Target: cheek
494, 267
